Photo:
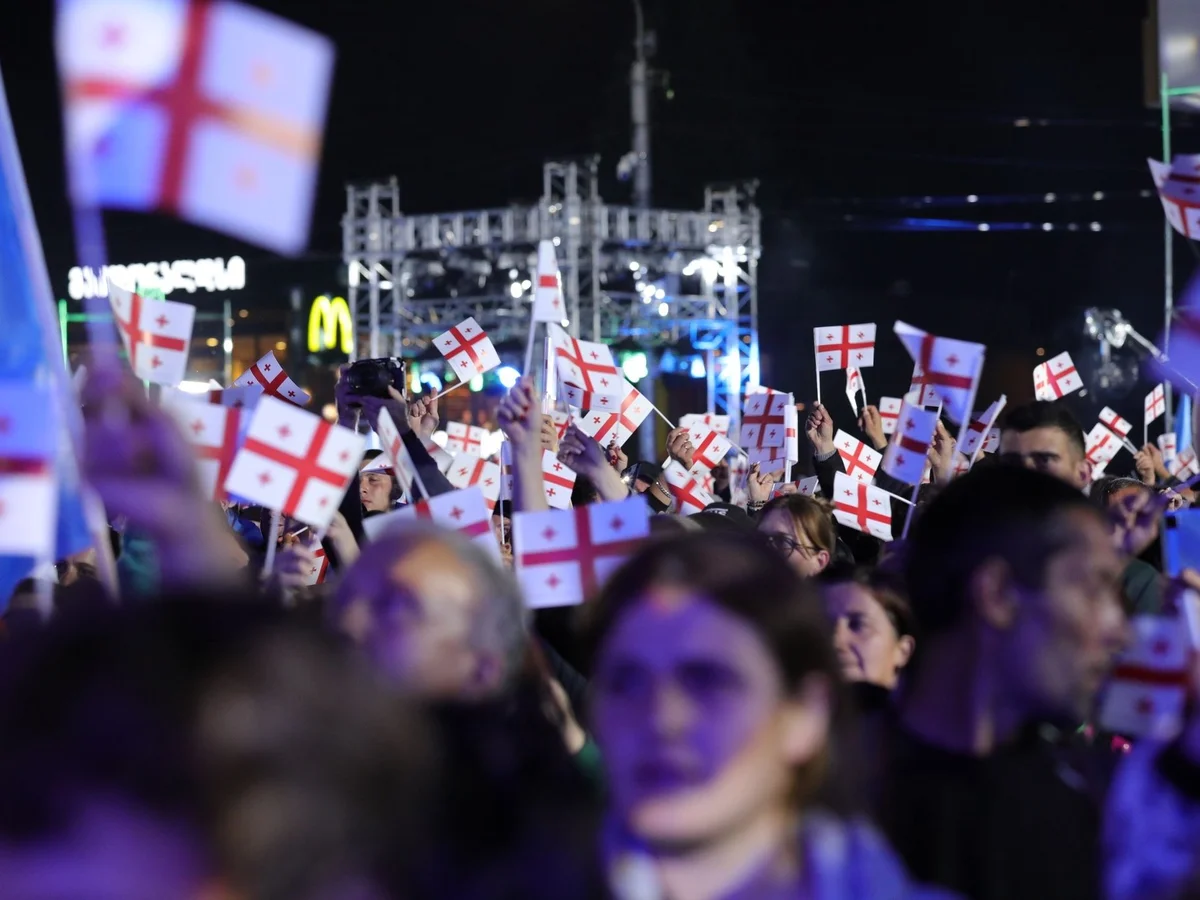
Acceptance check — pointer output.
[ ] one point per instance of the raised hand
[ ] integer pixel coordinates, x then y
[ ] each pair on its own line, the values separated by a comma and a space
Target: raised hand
941, 455
819, 430
422, 415
759, 484
549, 434
583, 455
679, 447
871, 424
520, 418
616, 456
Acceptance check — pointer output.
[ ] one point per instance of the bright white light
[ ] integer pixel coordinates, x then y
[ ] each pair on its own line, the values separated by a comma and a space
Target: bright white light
526, 284
635, 368
1050, 198
431, 381
984, 226
228, 346
663, 309
1179, 46
440, 438
698, 370
1046, 226
1095, 226
557, 241
507, 376
1099, 195
660, 294
515, 290
513, 273
475, 385
195, 387
385, 285
639, 285
972, 198
634, 266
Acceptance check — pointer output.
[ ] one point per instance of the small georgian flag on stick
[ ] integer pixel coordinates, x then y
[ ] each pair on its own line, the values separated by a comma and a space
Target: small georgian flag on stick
905, 457
889, 411
862, 507
1056, 378
267, 376
558, 481
468, 350
861, 461
156, 334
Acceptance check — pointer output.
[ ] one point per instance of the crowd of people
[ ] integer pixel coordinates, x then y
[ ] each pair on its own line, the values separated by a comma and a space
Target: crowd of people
759, 703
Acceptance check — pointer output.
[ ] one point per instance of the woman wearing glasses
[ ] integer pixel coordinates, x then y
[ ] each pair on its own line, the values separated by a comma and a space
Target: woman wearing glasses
801, 530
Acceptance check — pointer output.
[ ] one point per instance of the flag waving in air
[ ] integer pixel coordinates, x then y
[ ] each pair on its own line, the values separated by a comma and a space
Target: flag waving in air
1178, 186
1056, 378
156, 334
468, 350
843, 346
267, 375
547, 291
950, 368
208, 109
905, 457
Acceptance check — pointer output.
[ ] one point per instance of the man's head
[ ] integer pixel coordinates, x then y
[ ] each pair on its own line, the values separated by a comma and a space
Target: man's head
1045, 436
435, 612
1020, 565
377, 489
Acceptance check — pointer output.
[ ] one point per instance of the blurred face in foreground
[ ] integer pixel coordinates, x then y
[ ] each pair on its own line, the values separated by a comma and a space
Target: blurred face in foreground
415, 621
1133, 514
699, 738
1058, 641
1048, 450
869, 647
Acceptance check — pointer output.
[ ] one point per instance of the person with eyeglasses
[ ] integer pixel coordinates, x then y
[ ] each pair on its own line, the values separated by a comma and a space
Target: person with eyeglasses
801, 530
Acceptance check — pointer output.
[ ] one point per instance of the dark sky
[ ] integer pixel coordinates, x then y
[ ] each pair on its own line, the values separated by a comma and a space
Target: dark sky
824, 102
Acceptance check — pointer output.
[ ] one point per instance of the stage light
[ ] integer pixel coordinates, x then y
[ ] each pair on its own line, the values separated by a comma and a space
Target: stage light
507, 376
634, 366
697, 369
515, 290
475, 385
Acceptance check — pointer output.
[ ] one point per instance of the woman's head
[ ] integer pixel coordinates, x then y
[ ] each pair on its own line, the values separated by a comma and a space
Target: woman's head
873, 625
714, 687
801, 530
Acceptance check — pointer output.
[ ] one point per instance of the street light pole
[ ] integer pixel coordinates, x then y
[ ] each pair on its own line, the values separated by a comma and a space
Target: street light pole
639, 84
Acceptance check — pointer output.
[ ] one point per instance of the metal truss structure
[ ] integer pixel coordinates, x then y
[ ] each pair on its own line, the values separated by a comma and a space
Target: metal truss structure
636, 278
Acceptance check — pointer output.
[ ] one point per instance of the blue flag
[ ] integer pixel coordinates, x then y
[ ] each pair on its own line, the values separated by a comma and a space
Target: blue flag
1183, 424
30, 354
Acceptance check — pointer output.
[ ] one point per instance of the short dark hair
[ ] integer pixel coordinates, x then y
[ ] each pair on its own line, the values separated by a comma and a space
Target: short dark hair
1104, 488
1046, 414
1003, 511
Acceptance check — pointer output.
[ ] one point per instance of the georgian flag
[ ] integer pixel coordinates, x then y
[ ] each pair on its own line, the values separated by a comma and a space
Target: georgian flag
156, 334
547, 290
1148, 691
889, 411
764, 419
843, 346
267, 377
467, 349
319, 569
295, 462
709, 448
1114, 423
1102, 445
463, 511
1056, 378
468, 470
1156, 403
861, 461
690, 496
1179, 192
980, 429
462, 438
588, 377
949, 367
905, 457
28, 489
1166, 445
618, 423
213, 432
862, 507
562, 557
854, 386
719, 424
558, 481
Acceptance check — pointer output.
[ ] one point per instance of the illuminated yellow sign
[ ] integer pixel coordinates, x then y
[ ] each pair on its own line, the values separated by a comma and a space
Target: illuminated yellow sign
330, 326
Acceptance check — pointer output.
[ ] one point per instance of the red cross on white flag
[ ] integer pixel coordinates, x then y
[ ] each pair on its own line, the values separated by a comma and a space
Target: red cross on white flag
789, 452
1178, 186
319, 568
810, 486
561, 420
295, 463
764, 422
618, 424
861, 461
862, 507
1156, 403
1185, 463
468, 350
889, 411
156, 334
588, 377
1056, 378
463, 438
842, 346
1114, 423
905, 457
1166, 445
213, 432
563, 556
854, 386
690, 496
463, 511
267, 376
709, 449
719, 424
980, 427
1102, 445
28, 491
547, 291
951, 368
468, 470
397, 454
1148, 689
558, 481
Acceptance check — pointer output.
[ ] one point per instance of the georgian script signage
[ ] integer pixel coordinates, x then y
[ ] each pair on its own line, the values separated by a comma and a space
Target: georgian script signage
189, 275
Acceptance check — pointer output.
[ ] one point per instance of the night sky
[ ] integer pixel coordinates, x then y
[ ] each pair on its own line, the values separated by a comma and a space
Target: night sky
840, 109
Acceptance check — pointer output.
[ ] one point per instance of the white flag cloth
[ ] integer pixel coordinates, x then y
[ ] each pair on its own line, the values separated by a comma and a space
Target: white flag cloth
156, 333
960, 466
719, 424
467, 349
506, 466
690, 496
267, 376
764, 420
462, 438
980, 428
213, 432
319, 568
463, 511
861, 461
1166, 445
809, 487
862, 507
789, 452
1148, 690
926, 395
842, 346
1179, 191
854, 386
1156, 403
396, 452
563, 556
561, 420
620, 423
469, 470
1102, 445
295, 462
588, 377
1185, 463
949, 367
28, 490
558, 481
889, 411
1056, 378
1114, 423
905, 457
547, 292
709, 449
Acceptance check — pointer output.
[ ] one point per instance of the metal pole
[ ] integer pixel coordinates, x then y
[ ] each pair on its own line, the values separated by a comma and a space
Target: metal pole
640, 108
227, 338
1168, 250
